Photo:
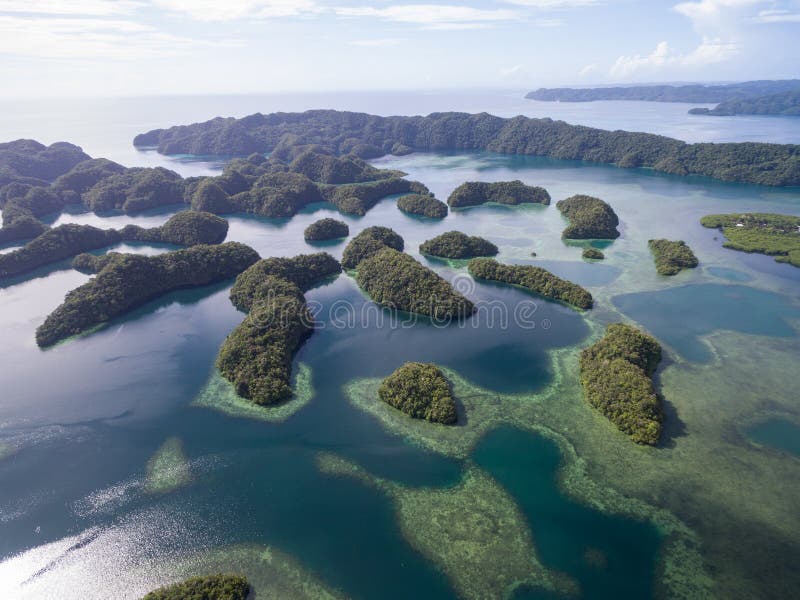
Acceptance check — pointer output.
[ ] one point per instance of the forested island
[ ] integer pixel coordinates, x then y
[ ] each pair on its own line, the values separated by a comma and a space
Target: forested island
536, 279
338, 132
395, 280
763, 233
208, 587
326, 229
592, 254
36, 181
423, 205
421, 391
455, 244
700, 93
186, 228
257, 356
127, 281
785, 104
616, 374
672, 256
474, 193
589, 218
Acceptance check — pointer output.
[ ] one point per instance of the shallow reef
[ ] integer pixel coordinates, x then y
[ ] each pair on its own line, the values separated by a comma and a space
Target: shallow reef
168, 468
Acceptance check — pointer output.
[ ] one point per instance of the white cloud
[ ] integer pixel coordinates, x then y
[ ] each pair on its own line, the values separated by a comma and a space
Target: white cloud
375, 43
90, 38
710, 51
588, 70
777, 16
228, 10
511, 71
71, 7
554, 4
433, 16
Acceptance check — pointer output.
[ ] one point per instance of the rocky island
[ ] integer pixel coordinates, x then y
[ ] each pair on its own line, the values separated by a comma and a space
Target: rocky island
207, 587
421, 391
455, 244
257, 356
589, 218
127, 281
326, 229
616, 374
672, 257
423, 205
535, 279
475, 193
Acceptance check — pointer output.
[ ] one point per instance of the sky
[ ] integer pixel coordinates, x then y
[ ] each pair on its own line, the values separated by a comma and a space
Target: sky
55, 48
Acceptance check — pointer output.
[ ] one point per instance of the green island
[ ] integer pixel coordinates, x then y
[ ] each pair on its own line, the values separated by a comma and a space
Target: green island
368, 242
672, 256
397, 281
207, 587
455, 244
129, 280
257, 356
421, 391
589, 218
187, 228
475, 193
535, 279
423, 205
785, 104
760, 163
326, 229
667, 93
592, 254
616, 375
762, 233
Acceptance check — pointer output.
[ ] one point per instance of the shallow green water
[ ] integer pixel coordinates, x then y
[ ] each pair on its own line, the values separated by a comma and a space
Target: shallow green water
80, 422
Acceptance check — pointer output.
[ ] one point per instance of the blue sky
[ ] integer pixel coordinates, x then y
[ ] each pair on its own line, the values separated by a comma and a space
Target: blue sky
141, 47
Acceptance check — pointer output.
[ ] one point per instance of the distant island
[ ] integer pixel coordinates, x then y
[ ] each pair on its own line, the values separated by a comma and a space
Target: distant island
672, 257
785, 104
338, 132
762, 233
616, 374
455, 244
421, 391
589, 218
592, 254
699, 93
474, 193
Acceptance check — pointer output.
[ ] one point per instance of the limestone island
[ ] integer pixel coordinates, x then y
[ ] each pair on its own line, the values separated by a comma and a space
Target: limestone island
326, 229
535, 279
186, 228
455, 244
395, 280
423, 205
341, 133
127, 281
589, 218
207, 587
672, 256
762, 233
616, 375
257, 356
475, 193
421, 391
592, 254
